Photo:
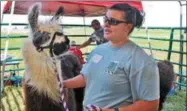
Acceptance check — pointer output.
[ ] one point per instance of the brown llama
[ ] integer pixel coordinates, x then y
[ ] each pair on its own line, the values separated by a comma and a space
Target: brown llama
166, 73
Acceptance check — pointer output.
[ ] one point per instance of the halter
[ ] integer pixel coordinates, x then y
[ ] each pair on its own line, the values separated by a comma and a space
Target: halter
50, 46
61, 87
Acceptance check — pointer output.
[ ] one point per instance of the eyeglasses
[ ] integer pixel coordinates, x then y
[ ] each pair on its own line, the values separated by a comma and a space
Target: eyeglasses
112, 21
93, 25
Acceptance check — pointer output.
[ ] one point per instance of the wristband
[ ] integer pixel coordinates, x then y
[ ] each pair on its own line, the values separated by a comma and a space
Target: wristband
116, 109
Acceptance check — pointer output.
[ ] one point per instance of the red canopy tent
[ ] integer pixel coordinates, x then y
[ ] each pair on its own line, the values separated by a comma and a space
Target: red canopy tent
81, 8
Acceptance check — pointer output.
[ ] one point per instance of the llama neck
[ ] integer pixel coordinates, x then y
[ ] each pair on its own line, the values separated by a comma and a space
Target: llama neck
40, 71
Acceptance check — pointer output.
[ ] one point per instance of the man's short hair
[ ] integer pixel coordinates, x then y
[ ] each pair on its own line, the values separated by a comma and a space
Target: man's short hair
95, 21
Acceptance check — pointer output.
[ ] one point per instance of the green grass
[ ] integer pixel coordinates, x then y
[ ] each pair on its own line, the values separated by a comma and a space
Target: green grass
157, 33
177, 102
13, 100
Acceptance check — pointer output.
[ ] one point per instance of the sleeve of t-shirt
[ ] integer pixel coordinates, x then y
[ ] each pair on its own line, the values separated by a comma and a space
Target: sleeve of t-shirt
93, 37
84, 68
145, 83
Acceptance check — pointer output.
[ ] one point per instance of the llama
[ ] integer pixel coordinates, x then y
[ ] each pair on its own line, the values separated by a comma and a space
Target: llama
45, 55
166, 73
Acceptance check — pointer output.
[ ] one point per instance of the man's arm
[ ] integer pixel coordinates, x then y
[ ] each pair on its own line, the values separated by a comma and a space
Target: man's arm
86, 43
139, 106
76, 82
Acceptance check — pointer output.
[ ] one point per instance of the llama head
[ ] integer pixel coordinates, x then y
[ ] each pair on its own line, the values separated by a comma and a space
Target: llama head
47, 34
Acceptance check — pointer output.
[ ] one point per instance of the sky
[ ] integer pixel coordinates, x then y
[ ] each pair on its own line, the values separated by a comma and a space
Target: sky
158, 14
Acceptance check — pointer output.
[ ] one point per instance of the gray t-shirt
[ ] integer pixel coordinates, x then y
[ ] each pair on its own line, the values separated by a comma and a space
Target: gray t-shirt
118, 77
98, 36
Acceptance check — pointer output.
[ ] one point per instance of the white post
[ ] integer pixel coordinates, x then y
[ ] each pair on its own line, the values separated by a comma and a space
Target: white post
149, 41
146, 28
2, 6
84, 22
6, 46
9, 29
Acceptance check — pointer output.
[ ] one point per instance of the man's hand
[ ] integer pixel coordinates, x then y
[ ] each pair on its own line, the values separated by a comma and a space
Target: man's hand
78, 47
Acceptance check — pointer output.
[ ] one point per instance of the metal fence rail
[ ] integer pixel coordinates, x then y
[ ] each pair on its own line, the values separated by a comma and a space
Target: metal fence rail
169, 49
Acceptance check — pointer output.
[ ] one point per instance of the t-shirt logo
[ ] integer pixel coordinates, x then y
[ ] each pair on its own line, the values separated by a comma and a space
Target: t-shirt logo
112, 67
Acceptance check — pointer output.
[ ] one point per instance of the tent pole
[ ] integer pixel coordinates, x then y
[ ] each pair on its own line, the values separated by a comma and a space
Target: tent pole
149, 41
181, 47
2, 13
84, 22
9, 30
84, 25
6, 46
1, 75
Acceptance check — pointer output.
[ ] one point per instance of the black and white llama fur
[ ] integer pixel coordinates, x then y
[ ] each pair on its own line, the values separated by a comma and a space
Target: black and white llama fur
41, 89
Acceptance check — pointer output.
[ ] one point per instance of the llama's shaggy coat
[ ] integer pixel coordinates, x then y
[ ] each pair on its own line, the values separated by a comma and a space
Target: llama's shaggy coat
166, 73
41, 89
41, 82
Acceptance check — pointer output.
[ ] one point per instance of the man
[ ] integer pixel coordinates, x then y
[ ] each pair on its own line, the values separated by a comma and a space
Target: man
96, 36
119, 75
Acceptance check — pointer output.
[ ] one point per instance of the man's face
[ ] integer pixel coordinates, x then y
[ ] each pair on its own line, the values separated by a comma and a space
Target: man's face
95, 26
115, 27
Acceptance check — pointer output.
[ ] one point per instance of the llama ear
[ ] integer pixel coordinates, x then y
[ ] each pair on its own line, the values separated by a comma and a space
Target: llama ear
58, 13
33, 16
